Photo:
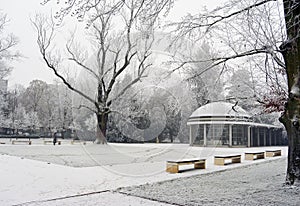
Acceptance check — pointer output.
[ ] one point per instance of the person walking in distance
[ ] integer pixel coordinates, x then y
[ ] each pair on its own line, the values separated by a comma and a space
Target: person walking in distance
54, 139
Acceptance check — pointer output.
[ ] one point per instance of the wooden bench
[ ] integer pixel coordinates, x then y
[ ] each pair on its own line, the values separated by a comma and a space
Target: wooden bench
273, 153
173, 165
254, 155
223, 159
21, 141
51, 142
78, 141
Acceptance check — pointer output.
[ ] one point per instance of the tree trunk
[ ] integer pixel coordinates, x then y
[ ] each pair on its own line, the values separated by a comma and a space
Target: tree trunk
102, 120
291, 116
292, 128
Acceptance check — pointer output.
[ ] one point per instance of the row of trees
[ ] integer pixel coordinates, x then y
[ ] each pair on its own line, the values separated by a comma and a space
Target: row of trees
40, 105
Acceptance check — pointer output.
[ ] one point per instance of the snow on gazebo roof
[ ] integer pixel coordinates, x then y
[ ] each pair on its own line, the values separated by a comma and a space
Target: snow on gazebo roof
220, 109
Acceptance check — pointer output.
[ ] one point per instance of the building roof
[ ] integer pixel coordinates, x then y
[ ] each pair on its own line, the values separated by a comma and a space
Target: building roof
220, 109
253, 124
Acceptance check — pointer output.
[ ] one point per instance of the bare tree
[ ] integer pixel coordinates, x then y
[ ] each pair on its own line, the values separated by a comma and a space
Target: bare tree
208, 86
257, 29
122, 35
7, 43
33, 94
64, 105
241, 32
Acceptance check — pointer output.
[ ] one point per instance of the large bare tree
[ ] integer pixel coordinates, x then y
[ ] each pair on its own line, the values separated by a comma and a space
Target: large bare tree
256, 28
122, 36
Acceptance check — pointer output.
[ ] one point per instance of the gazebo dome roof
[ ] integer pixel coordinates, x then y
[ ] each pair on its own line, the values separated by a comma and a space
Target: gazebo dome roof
220, 109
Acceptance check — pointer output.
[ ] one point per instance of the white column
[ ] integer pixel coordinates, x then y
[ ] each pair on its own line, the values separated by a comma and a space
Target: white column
275, 137
258, 140
230, 135
270, 136
265, 137
249, 136
204, 134
191, 135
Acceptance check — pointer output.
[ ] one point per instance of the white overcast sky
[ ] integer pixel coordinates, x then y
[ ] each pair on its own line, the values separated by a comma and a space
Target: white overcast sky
31, 66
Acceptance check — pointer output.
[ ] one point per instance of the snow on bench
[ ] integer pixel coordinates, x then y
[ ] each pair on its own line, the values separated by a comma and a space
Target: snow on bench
273, 153
254, 155
21, 141
227, 159
173, 165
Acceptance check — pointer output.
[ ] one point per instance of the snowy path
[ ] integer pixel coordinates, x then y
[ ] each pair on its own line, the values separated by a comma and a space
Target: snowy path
26, 180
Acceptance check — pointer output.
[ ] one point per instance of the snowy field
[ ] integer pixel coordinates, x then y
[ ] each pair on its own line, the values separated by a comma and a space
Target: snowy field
91, 174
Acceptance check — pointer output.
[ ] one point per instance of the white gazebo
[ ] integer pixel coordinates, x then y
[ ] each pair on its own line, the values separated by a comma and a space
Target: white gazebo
226, 124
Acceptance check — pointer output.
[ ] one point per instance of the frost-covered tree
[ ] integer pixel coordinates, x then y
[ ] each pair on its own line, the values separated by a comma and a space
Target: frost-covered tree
122, 35
3, 106
7, 44
46, 105
33, 95
63, 106
269, 31
91, 123
13, 103
241, 88
208, 86
3, 110
32, 120
7, 55
18, 119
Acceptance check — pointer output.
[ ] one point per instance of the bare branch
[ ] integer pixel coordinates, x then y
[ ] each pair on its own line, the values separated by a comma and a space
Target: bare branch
7, 42
85, 106
77, 60
45, 30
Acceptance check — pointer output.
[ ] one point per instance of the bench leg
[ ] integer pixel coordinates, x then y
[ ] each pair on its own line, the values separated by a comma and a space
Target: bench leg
219, 161
199, 165
236, 160
172, 168
273, 154
261, 156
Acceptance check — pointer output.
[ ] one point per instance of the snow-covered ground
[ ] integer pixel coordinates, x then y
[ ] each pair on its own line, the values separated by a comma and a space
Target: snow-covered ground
91, 174
256, 184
